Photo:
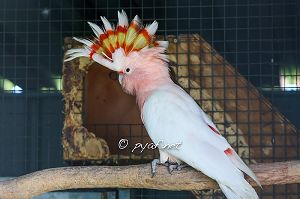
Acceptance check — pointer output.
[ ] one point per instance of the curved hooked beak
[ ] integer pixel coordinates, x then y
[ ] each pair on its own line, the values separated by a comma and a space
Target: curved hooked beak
120, 78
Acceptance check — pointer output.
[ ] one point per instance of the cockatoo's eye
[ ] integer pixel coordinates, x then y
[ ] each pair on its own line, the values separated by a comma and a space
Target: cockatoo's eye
127, 70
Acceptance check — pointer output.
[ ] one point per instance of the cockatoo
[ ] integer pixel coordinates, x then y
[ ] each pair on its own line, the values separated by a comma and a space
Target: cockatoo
167, 111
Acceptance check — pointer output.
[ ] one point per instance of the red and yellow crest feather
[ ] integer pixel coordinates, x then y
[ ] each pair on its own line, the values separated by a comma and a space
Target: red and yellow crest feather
126, 37
132, 37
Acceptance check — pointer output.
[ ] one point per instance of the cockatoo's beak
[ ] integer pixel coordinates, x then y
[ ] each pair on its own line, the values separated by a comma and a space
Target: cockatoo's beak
120, 78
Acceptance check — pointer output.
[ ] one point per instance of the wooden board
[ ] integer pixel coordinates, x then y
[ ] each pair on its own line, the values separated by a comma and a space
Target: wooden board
110, 113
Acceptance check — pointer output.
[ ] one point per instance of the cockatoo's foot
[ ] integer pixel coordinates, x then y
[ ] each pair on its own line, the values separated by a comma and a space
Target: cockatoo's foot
154, 164
172, 166
175, 166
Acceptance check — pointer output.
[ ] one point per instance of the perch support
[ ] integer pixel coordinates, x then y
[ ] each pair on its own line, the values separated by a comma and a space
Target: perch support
134, 176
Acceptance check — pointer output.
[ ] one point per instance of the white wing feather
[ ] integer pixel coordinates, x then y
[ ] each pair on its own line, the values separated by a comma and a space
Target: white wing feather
171, 115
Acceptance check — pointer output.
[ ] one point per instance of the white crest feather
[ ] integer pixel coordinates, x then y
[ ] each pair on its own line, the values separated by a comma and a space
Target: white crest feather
84, 41
103, 61
163, 44
158, 52
107, 57
106, 24
123, 19
78, 52
151, 29
96, 29
137, 20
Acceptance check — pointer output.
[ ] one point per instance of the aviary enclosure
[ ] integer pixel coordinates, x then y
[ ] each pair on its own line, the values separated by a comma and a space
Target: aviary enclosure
239, 60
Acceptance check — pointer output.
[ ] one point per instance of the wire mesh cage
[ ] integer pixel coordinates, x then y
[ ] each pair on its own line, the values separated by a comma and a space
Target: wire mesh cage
238, 59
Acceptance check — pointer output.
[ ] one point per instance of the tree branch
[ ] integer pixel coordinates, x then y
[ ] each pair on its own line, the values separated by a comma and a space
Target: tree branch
134, 176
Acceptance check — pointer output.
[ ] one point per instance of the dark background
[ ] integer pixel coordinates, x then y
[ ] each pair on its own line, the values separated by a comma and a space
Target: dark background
257, 36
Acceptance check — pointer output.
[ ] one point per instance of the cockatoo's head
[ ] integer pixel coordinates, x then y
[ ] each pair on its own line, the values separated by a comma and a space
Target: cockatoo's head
128, 49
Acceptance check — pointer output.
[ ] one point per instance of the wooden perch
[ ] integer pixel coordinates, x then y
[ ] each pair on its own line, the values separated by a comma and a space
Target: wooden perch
134, 176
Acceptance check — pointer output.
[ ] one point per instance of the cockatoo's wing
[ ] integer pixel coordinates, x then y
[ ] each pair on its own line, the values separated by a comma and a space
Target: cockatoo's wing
172, 116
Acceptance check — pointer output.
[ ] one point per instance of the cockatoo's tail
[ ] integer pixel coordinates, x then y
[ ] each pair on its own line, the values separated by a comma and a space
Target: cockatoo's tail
125, 38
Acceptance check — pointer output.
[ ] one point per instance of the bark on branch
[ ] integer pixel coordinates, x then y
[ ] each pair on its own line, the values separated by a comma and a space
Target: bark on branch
134, 176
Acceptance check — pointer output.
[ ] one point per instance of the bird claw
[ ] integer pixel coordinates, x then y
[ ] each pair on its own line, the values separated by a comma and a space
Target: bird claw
171, 166
154, 164
175, 166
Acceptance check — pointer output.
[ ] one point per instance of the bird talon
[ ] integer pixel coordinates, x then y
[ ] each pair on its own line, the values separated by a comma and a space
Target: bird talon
172, 167
175, 166
154, 164
181, 166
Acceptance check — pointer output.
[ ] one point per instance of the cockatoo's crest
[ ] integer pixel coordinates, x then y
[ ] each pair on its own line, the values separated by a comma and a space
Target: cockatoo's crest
125, 37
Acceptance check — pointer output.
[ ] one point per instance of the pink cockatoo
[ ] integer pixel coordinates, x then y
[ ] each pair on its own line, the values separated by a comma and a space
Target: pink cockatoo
167, 111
